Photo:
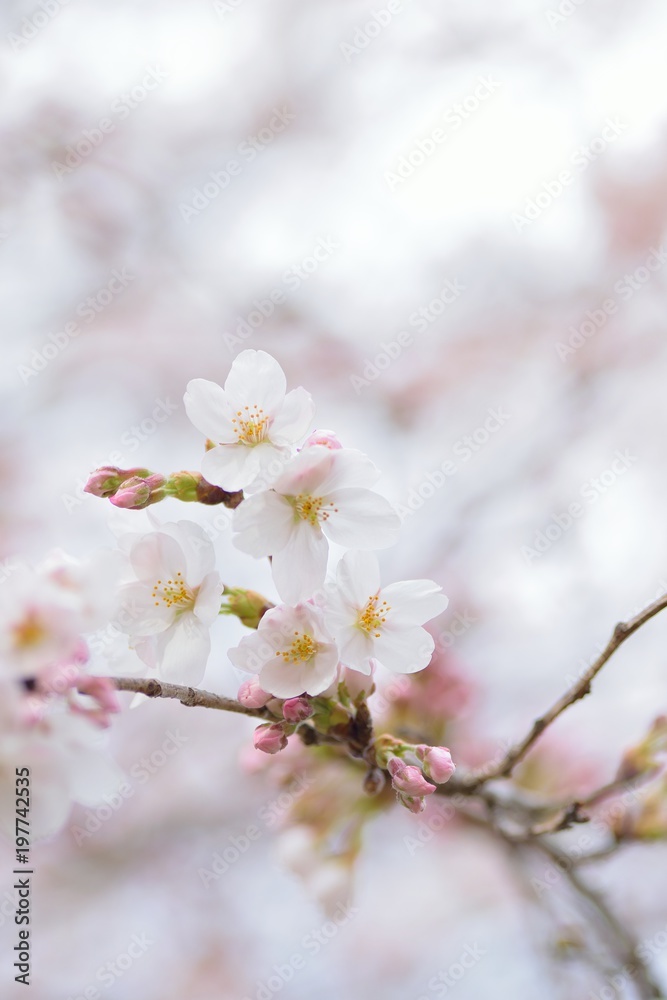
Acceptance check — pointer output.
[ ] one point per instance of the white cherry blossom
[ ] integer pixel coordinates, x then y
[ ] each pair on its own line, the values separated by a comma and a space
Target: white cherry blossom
169, 608
383, 624
322, 494
252, 422
291, 651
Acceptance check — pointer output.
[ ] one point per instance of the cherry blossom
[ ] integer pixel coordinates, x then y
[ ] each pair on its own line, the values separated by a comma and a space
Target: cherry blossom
252, 421
371, 623
291, 651
169, 608
322, 494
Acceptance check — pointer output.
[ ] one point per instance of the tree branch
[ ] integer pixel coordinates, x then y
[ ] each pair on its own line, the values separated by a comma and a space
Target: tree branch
504, 768
191, 697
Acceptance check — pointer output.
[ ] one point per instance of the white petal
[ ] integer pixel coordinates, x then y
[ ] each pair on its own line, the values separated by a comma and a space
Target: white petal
207, 604
350, 468
185, 651
139, 614
287, 680
358, 576
364, 520
253, 651
256, 377
356, 649
294, 418
404, 651
196, 547
306, 471
271, 461
207, 407
230, 466
157, 556
414, 602
263, 524
301, 566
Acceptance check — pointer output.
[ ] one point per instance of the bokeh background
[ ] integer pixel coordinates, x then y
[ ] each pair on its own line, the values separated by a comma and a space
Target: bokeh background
165, 168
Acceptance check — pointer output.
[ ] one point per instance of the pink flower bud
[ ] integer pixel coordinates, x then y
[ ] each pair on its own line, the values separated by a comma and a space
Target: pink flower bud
105, 482
437, 761
415, 805
297, 709
270, 738
251, 695
136, 493
409, 779
326, 438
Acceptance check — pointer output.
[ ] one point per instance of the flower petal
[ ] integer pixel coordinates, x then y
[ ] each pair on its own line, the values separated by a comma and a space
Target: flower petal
184, 650
263, 524
207, 604
358, 576
139, 613
364, 520
357, 649
306, 471
157, 556
256, 378
350, 468
207, 407
404, 651
414, 602
294, 417
301, 566
230, 466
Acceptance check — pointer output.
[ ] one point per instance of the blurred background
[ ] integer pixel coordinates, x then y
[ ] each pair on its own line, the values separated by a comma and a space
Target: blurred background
447, 223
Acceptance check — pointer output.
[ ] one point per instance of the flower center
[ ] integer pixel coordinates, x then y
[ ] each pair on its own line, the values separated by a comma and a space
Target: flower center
303, 648
29, 632
373, 616
173, 593
251, 425
312, 509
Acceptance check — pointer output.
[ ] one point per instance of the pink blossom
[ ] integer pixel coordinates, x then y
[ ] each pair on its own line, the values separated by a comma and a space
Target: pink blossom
251, 694
408, 779
297, 709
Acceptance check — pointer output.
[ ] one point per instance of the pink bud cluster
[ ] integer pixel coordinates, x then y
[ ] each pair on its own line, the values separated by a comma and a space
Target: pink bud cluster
412, 783
272, 737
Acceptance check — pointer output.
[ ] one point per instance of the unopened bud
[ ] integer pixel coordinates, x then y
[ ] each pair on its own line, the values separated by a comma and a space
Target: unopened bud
247, 605
251, 694
297, 709
270, 738
136, 493
106, 481
437, 761
408, 779
416, 805
374, 782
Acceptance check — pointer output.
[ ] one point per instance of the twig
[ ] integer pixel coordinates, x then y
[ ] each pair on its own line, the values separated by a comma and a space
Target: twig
189, 696
582, 687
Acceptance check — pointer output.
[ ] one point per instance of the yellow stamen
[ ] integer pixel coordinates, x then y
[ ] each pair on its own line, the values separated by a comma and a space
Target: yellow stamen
372, 618
303, 648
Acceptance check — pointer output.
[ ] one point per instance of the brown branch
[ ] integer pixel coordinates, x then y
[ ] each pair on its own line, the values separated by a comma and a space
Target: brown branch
579, 690
189, 696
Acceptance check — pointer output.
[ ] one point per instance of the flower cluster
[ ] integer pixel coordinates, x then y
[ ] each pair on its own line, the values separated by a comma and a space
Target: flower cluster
51, 709
293, 491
